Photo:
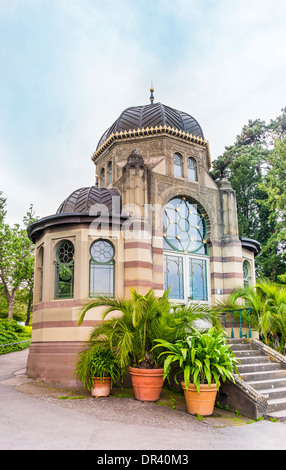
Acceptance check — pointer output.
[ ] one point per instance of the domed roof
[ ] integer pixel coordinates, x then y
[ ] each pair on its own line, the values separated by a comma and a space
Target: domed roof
151, 115
81, 200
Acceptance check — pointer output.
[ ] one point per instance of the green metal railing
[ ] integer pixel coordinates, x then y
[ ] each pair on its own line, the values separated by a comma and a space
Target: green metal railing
231, 313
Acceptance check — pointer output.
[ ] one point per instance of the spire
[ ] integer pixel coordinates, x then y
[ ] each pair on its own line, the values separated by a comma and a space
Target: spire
151, 90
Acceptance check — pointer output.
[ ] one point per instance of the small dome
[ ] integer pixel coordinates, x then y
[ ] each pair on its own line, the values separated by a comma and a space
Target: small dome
156, 114
81, 200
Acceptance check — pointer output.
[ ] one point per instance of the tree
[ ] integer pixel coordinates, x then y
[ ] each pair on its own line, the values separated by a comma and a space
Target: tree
255, 166
275, 186
16, 256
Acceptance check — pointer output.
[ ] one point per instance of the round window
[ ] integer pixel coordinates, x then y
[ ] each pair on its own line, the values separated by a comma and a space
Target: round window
102, 251
185, 227
65, 252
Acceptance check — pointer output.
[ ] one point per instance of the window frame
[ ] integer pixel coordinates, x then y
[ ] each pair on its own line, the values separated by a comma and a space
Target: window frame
186, 276
168, 240
58, 264
191, 169
41, 255
109, 172
246, 280
180, 156
93, 263
102, 177
171, 250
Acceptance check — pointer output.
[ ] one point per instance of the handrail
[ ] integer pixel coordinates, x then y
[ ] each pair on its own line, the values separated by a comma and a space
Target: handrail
270, 351
239, 310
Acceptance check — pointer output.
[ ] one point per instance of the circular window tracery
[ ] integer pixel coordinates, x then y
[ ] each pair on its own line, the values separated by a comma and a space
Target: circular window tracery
102, 251
65, 252
185, 227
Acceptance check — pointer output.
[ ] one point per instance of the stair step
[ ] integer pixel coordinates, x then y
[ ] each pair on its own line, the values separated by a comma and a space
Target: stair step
234, 340
273, 393
263, 375
276, 404
267, 384
240, 347
253, 359
279, 415
254, 367
247, 353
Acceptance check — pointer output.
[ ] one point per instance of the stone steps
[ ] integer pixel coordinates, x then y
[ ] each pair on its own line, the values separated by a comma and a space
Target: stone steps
263, 374
268, 384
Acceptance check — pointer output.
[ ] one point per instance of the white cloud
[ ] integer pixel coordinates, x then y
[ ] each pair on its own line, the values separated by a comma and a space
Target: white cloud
81, 63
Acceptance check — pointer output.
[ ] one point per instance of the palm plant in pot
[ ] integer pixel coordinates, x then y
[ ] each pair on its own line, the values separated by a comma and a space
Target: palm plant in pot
203, 359
98, 368
131, 333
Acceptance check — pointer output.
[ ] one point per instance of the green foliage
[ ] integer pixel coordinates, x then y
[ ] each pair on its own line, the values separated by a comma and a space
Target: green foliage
203, 358
138, 321
256, 168
16, 257
274, 185
20, 305
97, 361
267, 301
12, 332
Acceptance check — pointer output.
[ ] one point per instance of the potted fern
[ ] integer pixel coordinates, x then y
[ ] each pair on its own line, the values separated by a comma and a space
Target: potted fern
203, 359
98, 369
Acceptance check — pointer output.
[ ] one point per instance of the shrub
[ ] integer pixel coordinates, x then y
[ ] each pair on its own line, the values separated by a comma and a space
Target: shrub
12, 332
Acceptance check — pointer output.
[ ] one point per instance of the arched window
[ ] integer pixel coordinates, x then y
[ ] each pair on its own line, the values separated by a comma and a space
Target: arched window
192, 169
41, 269
178, 165
64, 275
186, 261
109, 168
102, 174
245, 274
101, 268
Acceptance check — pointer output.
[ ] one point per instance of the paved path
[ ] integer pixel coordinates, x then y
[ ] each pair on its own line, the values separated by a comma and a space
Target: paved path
32, 417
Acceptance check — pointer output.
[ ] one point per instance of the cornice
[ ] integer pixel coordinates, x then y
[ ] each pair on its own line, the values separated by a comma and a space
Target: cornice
157, 130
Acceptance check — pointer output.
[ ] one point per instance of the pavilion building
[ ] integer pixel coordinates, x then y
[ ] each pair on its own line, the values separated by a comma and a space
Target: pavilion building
153, 219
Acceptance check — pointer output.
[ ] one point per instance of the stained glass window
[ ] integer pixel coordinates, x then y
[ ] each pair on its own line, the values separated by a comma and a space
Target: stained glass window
102, 173
198, 279
192, 169
184, 226
245, 274
185, 251
178, 165
174, 276
101, 275
64, 276
41, 257
109, 168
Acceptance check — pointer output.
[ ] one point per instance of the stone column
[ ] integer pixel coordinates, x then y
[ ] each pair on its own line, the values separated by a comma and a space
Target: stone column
231, 244
135, 230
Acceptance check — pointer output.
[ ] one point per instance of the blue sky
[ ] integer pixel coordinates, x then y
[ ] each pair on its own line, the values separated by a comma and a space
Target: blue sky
70, 67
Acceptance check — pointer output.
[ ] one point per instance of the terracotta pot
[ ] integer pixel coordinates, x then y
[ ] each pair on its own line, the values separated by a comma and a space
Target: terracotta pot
203, 403
147, 383
101, 387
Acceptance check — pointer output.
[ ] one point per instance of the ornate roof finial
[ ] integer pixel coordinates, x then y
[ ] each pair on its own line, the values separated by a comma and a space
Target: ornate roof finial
151, 96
